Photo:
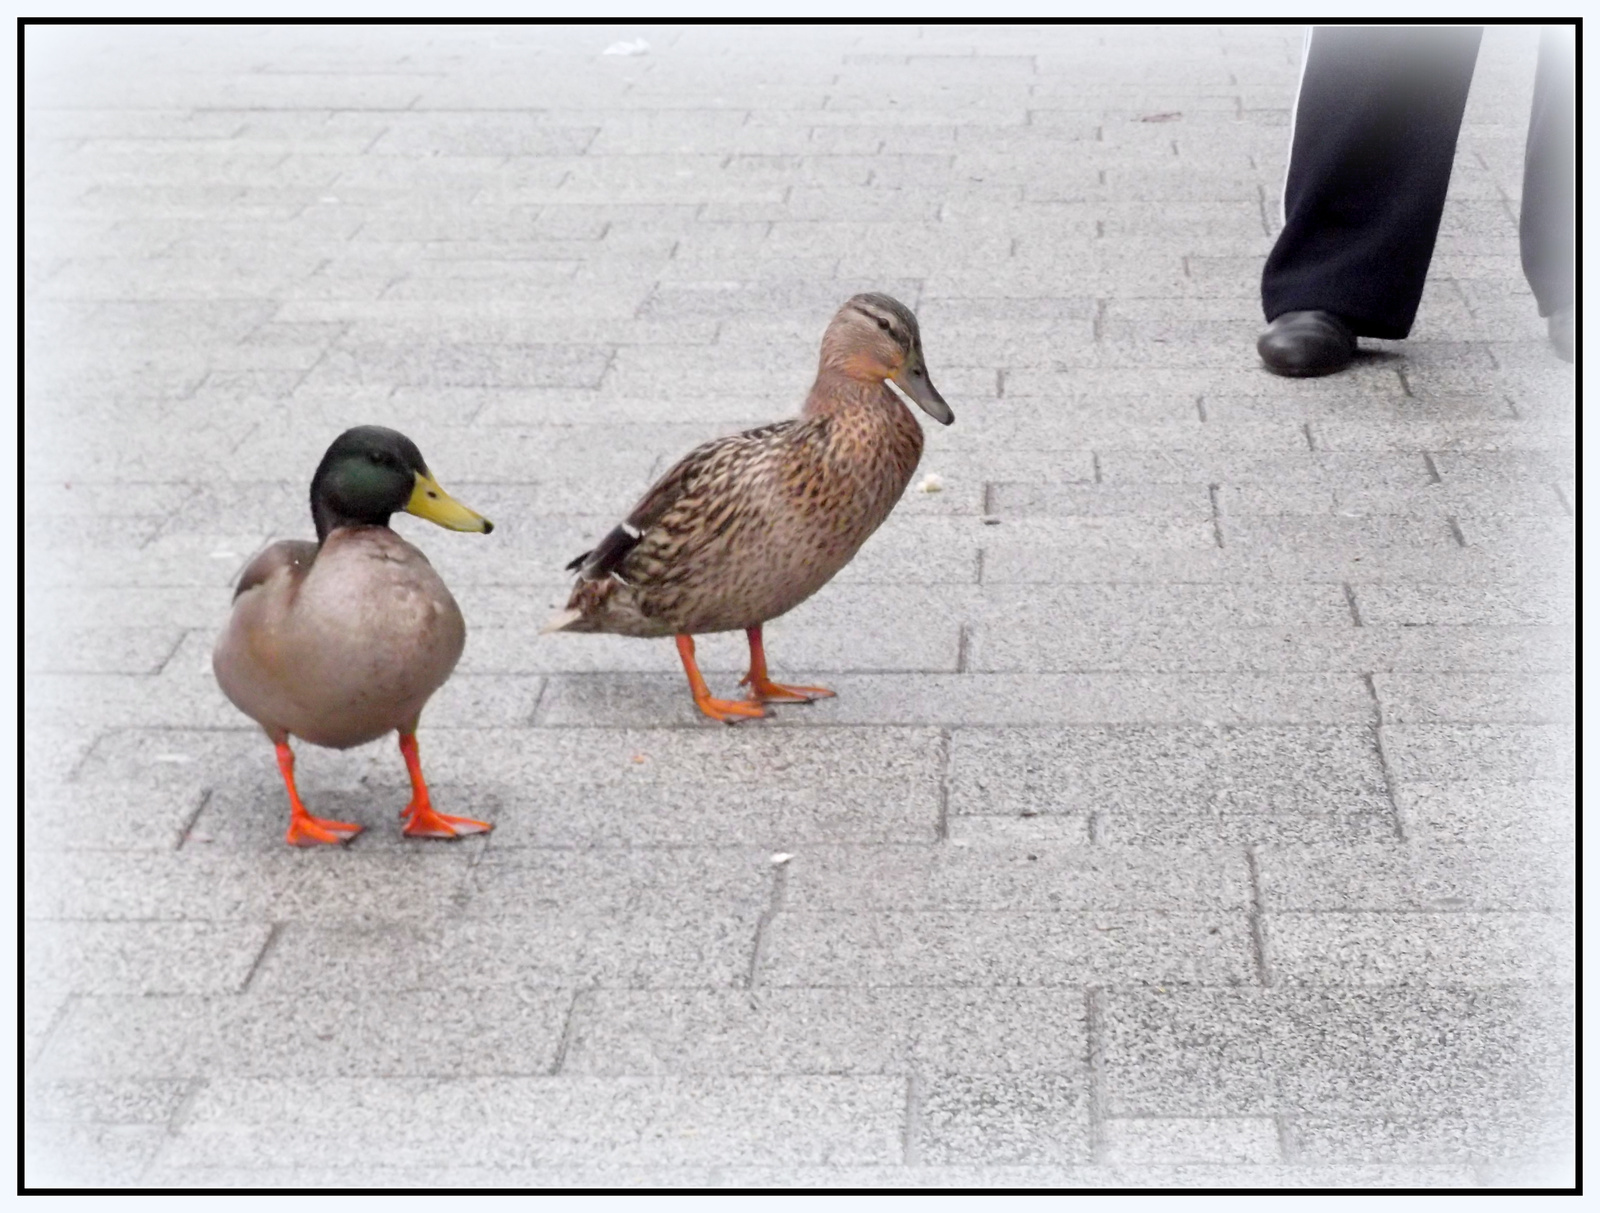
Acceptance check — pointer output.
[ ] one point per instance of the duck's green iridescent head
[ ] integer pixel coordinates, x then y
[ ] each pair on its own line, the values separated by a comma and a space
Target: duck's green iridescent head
371, 473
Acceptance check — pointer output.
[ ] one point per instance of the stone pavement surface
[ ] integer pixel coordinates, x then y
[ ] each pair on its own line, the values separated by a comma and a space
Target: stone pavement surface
1197, 807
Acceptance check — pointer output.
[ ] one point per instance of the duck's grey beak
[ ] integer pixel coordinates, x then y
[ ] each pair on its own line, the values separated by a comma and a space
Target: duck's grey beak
913, 382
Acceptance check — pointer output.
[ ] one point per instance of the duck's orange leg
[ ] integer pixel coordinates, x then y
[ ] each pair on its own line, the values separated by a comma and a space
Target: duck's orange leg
729, 711
763, 689
304, 829
421, 819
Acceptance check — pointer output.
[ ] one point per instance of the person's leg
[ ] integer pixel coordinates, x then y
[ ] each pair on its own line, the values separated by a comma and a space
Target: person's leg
1375, 133
1547, 187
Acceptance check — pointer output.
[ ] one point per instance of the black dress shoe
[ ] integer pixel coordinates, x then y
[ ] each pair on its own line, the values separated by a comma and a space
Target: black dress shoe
1306, 343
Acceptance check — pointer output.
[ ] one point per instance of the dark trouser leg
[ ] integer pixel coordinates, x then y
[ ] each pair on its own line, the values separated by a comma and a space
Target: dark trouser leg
1374, 138
1547, 176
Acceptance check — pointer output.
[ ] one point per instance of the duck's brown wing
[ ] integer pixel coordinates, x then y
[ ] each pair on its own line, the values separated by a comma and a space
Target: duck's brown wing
692, 478
295, 554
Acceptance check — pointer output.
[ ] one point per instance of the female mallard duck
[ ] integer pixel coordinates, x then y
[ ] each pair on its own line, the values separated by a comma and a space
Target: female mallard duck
339, 641
747, 527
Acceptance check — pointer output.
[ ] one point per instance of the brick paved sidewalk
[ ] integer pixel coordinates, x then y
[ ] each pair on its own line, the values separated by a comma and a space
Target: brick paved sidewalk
1197, 808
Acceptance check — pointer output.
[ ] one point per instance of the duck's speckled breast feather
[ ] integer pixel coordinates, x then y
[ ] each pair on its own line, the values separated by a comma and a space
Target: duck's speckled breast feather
343, 647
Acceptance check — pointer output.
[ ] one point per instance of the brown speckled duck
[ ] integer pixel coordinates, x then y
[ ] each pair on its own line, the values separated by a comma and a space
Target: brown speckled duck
340, 641
749, 526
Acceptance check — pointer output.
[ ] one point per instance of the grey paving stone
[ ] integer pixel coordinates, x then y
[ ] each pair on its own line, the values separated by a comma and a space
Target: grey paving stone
858, 639
527, 883
1451, 498
706, 944
199, 884
89, 1156
1321, 1139
461, 365
1029, 832
1475, 698
54, 500
947, 948
1364, 435
1241, 827
85, 537
1423, 602
800, 1030
110, 816
275, 507
142, 957
445, 1033
816, 1177
998, 463
688, 785
1418, 949
536, 406
475, 134
115, 1101
1020, 876
1304, 770
1475, 466
1556, 1171
1009, 1119
1094, 500
1419, 651
799, 297
52, 754
1311, 534
1493, 752
1349, 470
1167, 1141
981, 699
43, 1009
110, 700
1556, 534
1137, 604
1523, 814
180, 560
1445, 566
1206, 1052
549, 1121
1419, 876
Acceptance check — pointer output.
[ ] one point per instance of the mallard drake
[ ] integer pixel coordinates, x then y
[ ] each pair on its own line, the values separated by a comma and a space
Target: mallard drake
337, 642
747, 527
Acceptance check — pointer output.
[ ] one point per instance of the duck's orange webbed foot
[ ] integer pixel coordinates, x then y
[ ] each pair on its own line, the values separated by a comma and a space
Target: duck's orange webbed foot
304, 829
421, 820
728, 711
763, 689
308, 831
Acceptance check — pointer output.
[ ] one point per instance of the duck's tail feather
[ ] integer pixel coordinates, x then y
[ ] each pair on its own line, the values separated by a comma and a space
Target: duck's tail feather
562, 620
607, 555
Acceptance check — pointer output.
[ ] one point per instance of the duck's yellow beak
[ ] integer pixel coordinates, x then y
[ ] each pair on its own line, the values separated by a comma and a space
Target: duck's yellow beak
430, 501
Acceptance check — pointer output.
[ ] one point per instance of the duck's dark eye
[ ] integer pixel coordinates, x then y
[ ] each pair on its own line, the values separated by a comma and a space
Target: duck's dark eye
375, 456
882, 323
